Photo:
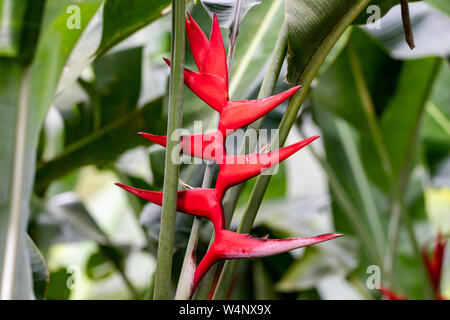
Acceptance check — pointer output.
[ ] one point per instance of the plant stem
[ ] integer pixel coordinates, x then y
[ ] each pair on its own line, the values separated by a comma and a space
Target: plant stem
170, 187
233, 37
287, 121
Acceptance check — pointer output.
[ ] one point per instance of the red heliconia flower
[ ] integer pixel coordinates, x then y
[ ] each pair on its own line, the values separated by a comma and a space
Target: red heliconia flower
211, 85
434, 263
211, 82
434, 268
232, 245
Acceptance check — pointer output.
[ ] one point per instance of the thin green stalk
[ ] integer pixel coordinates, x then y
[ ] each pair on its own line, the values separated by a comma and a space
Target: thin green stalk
170, 187
287, 121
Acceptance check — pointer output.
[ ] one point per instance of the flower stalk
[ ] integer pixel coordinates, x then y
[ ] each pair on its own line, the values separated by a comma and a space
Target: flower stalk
167, 231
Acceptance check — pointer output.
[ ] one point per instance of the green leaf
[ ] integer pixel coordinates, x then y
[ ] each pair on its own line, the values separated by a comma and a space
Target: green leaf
254, 47
39, 270
308, 23
28, 97
338, 81
226, 10
429, 29
12, 24
122, 18
99, 266
442, 5
376, 112
58, 288
67, 208
413, 89
263, 286
436, 128
98, 131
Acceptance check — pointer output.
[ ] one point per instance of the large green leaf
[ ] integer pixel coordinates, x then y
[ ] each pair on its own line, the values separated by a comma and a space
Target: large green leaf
308, 23
98, 131
26, 96
121, 18
105, 145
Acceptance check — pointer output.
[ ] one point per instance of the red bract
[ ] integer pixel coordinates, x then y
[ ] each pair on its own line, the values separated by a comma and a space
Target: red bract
232, 245
211, 85
198, 202
434, 263
434, 268
208, 146
390, 295
236, 169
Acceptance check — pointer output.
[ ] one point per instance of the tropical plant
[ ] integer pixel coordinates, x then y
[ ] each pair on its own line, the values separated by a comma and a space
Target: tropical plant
80, 78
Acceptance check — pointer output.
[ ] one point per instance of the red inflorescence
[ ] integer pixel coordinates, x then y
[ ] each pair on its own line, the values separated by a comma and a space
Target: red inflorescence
434, 268
211, 85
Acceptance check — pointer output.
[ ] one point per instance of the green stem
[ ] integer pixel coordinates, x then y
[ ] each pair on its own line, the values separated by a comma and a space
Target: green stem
287, 121
170, 188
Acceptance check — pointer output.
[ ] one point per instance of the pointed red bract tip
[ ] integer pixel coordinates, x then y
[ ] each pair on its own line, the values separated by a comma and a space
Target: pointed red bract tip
167, 61
389, 294
161, 140
238, 114
233, 245
152, 196
434, 263
237, 169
